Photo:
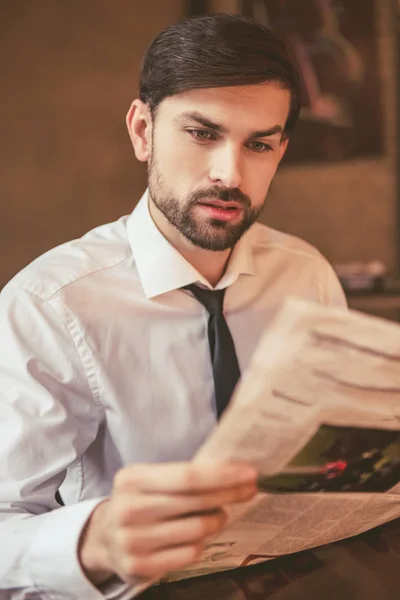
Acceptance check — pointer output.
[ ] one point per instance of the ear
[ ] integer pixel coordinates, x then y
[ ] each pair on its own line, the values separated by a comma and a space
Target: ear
139, 123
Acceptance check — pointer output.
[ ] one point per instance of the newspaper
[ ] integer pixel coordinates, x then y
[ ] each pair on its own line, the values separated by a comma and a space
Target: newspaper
318, 413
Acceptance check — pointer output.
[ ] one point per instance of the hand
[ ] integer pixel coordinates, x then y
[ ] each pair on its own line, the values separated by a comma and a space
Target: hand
159, 517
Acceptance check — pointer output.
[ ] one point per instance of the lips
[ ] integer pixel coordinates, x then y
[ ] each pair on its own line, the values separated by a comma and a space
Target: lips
222, 204
220, 210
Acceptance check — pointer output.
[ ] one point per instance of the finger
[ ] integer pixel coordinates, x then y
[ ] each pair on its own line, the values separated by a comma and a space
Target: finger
179, 532
131, 509
152, 566
183, 477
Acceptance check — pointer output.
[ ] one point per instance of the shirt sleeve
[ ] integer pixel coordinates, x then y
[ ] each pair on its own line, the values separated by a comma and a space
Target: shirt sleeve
330, 290
48, 418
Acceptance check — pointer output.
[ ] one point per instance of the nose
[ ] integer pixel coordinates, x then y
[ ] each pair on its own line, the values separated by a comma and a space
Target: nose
226, 166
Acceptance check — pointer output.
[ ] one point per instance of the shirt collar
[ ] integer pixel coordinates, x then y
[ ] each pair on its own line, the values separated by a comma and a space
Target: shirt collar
162, 268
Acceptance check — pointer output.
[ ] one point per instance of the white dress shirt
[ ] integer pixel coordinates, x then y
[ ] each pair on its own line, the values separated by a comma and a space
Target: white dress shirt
104, 361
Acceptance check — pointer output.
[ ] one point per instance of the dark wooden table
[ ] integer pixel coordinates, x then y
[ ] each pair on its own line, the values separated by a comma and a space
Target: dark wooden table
366, 567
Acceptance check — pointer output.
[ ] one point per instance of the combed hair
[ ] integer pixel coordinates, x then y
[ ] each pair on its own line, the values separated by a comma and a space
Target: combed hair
217, 50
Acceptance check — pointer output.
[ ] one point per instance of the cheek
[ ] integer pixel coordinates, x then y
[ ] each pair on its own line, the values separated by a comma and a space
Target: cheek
179, 158
258, 179
181, 168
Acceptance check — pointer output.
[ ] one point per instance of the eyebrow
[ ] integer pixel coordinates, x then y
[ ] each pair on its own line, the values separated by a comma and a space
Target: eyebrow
217, 127
267, 132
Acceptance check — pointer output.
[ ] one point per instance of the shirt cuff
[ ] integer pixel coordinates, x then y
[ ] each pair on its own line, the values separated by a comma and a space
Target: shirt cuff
54, 562
118, 590
53, 554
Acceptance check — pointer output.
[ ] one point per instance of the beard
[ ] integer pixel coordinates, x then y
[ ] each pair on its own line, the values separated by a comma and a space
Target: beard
208, 234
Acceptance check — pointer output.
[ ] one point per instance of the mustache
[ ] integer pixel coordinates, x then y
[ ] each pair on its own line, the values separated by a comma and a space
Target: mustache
224, 194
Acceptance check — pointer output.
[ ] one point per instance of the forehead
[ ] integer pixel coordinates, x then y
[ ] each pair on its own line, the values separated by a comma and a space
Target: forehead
238, 107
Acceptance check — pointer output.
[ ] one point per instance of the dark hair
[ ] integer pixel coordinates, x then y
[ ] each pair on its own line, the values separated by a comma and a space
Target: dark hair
217, 50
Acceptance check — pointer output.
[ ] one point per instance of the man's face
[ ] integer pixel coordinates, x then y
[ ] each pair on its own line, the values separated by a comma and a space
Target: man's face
213, 155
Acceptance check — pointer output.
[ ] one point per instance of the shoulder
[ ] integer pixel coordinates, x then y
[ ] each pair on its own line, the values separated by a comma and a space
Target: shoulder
101, 248
265, 239
299, 264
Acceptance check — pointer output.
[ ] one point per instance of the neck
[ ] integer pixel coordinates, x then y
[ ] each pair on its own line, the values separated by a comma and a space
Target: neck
211, 265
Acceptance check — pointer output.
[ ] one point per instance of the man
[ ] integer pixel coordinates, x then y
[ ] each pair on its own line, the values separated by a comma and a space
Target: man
106, 384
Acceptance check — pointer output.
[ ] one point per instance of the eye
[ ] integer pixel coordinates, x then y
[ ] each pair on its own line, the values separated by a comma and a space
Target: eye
201, 135
259, 147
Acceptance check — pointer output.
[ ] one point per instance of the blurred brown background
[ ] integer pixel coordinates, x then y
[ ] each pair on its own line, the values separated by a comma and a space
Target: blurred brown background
69, 73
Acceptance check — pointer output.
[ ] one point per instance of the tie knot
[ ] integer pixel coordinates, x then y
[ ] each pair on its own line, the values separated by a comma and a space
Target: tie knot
212, 300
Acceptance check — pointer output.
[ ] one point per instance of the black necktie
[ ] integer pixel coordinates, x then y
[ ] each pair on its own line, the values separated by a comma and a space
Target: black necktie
223, 356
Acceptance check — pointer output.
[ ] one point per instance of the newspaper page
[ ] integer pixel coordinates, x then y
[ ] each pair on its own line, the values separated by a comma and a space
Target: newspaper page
318, 412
